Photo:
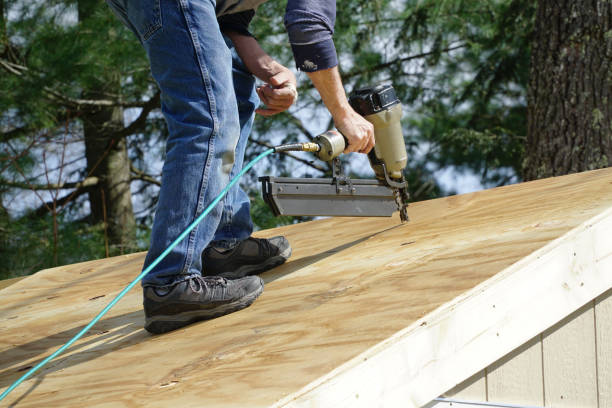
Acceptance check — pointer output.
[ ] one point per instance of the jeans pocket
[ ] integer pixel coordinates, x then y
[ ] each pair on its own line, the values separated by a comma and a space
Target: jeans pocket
145, 16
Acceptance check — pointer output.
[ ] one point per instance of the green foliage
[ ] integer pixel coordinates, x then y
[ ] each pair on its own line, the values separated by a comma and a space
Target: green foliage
27, 244
475, 117
66, 57
55, 54
263, 217
459, 67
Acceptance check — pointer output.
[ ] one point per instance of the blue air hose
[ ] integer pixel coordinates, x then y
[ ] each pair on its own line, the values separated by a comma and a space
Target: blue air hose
139, 277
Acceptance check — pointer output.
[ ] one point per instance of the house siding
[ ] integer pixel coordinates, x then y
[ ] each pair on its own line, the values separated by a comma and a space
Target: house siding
568, 365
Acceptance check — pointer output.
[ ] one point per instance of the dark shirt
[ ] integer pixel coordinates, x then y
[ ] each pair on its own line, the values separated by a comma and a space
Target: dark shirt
310, 25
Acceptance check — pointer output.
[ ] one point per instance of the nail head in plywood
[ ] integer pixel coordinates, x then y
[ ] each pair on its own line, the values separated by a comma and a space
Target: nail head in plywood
475, 329
569, 360
353, 319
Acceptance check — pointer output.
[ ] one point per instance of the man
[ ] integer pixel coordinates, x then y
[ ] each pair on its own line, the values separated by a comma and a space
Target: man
203, 59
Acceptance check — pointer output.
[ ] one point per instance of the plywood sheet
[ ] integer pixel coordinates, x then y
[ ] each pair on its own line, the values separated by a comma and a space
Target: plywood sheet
350, 284
5, 283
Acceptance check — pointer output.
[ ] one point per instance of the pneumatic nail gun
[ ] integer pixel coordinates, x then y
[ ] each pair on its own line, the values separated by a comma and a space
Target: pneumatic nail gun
341, 195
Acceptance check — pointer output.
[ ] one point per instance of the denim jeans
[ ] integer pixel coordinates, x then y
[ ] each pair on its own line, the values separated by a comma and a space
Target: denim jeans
208, 100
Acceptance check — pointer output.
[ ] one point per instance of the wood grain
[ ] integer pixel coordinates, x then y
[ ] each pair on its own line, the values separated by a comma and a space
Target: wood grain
350, 284
5, 283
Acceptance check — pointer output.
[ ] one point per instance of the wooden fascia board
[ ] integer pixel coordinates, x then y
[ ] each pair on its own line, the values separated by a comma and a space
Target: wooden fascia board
466, 335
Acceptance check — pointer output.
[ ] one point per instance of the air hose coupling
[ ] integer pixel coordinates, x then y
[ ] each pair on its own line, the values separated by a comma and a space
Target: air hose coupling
328, 146
298, 147
310, 147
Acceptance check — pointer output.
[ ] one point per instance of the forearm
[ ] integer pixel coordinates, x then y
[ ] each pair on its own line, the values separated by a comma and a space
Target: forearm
257, 61
329, 86
358, 132
279, 91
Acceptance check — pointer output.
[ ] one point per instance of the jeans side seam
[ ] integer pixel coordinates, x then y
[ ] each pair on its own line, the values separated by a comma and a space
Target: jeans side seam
203, 70
210, 154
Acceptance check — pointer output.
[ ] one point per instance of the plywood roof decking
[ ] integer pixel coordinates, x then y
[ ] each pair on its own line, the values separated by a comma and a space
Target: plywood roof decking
350, 284
5, 283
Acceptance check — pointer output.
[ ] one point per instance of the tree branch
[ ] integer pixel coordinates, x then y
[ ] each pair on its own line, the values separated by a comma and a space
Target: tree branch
13, 68
298, 123
60, 202
18, 168
141, 120
15, 133
88, 182
141, 175
399, 61
73, 103
80, 104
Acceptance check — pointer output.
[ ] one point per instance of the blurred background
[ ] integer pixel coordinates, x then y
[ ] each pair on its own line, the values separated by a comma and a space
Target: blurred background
494, 92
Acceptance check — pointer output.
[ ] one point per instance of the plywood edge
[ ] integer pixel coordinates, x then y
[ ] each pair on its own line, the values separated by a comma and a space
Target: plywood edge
5, 283
474, 330
67, 272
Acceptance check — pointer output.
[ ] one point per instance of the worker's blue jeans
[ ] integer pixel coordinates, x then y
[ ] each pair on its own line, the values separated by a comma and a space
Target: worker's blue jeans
208, 100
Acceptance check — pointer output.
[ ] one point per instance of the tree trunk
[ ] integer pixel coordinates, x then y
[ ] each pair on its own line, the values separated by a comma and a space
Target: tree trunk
107, 158
111, 200
569, 117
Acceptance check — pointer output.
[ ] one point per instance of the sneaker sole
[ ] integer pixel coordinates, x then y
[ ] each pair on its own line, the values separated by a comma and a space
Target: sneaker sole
248, 270
160, 324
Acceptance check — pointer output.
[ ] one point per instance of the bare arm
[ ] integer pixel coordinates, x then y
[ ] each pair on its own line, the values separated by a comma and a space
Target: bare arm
279, 93
358, 131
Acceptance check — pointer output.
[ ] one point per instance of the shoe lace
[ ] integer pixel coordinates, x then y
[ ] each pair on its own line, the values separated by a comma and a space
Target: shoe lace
208, 282
213, 281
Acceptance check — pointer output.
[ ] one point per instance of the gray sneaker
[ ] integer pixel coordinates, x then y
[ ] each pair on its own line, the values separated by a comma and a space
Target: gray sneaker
250, 257
198, 298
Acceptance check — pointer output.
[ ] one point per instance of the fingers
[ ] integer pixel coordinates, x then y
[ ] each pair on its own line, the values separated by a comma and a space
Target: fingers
277, 94
276, 100
354, 145
273, 104
280, 79
268, 111
360, 135
354, 148
369, 143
